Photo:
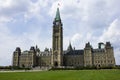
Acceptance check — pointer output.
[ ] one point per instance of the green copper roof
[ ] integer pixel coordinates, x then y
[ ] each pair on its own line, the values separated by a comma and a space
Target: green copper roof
57, 15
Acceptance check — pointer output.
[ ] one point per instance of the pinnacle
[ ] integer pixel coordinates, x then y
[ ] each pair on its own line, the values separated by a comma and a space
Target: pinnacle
57, 18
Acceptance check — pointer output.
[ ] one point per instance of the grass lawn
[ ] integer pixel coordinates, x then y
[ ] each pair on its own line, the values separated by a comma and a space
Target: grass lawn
63, 75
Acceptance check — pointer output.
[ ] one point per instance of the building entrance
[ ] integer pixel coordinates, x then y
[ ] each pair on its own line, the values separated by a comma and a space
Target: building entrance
55, 63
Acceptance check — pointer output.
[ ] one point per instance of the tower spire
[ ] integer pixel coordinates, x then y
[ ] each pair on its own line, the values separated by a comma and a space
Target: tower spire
57, 18
69, 47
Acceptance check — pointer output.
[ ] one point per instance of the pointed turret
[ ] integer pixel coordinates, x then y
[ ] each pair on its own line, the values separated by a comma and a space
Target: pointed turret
69, 47
57, 18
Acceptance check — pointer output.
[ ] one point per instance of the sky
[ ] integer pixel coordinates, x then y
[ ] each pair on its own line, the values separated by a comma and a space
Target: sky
26, 23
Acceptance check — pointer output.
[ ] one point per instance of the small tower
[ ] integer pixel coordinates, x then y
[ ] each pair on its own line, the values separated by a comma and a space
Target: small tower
57, 41
16, 57
88, 55
32, 53
110, 60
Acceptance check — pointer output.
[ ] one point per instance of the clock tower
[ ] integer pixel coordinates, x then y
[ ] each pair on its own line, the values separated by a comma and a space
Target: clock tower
57, 41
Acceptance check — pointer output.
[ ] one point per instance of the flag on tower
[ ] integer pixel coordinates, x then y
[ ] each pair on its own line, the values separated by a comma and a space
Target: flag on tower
58, 4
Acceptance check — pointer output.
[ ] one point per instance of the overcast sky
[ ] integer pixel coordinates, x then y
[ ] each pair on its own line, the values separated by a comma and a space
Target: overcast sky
26, 23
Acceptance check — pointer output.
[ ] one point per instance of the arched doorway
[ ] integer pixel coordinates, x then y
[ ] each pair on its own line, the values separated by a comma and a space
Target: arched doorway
55, 63
98, 66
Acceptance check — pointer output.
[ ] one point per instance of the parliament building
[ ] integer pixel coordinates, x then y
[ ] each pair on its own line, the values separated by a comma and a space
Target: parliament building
103, 56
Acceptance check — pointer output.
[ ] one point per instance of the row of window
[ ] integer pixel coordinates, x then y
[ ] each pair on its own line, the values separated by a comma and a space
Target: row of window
109, 61
25, 60
45, 54
74, 56
99, 57
99, 51
26, 63
75, 60
44, 64
74, 63
23, 65
87, 62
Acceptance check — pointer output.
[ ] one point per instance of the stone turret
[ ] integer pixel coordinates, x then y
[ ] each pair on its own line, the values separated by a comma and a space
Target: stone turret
108, 45
16, 56
110, 54
57, 41
33, 55
88, 55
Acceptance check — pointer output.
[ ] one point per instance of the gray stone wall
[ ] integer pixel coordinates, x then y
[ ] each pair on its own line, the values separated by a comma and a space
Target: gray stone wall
99, 58
26, 59
73, 60
44, 60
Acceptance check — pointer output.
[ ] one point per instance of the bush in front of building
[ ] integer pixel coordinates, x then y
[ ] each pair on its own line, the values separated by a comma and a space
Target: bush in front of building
84, 68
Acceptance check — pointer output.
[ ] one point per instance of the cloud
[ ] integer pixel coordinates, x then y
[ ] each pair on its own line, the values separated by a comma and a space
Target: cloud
112, 32
6, 45
76, 37
27, 9
11, 8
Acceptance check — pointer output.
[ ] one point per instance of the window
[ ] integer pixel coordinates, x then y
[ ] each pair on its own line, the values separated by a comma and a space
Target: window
104, 61
111, 61
98, 61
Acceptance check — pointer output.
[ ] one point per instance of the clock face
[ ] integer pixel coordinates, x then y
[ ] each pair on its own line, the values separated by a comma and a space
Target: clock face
57, 23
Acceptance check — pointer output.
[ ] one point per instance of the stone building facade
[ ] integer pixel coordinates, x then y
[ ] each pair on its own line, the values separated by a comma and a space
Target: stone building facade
25, 58
102, 56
